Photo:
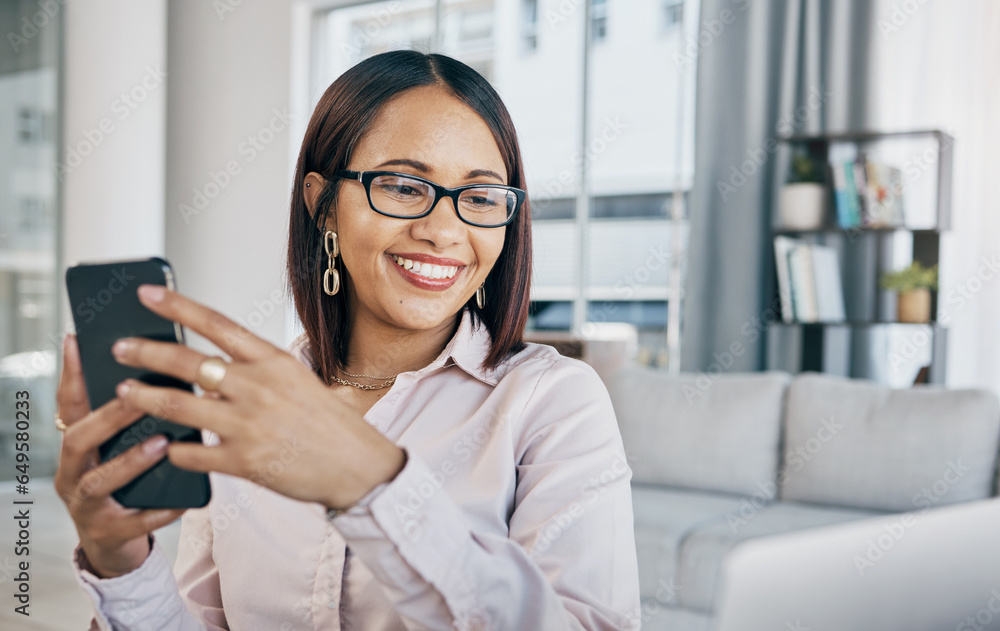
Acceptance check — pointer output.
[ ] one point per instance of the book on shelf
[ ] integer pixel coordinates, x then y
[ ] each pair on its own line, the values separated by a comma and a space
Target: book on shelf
828, 288
781, 247
809, 283
867, 194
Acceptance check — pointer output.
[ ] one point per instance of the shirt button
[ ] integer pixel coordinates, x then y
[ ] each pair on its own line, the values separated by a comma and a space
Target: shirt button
332, 604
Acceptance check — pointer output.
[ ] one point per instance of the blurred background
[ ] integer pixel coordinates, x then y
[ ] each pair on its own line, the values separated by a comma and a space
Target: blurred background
171, 128
656, 140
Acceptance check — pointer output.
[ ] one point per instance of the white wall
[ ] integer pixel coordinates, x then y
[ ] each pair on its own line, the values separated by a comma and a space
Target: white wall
227, 116
113, 194
228, 78
935, 67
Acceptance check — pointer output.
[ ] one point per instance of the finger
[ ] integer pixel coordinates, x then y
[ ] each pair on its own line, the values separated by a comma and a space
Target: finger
147, 520
201, 458
179, 406
71, 396
237, 341
102, 480
81, 439
177, 360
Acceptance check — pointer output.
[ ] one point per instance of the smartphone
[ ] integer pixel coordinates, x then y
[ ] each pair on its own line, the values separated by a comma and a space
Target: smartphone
106, 307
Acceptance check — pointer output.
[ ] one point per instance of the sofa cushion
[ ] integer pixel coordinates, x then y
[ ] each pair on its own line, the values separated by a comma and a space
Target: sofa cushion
705, 432
703, 551
855, 443
663, 517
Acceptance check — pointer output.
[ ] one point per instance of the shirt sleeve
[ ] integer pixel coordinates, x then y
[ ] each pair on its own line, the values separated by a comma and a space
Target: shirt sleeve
145, 598
568, 561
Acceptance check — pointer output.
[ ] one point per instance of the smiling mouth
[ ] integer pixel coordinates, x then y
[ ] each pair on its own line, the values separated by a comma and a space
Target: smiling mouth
426, 270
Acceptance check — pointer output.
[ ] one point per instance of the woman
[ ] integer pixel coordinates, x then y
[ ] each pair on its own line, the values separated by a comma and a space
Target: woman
409, 462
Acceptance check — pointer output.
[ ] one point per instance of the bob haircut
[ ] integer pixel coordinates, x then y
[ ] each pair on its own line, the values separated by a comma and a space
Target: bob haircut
341, 118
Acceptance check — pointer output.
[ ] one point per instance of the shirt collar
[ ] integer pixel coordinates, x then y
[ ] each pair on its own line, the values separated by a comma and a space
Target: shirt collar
466, 349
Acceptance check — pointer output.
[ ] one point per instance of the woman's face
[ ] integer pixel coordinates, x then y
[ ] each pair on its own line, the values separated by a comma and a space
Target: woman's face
426, 132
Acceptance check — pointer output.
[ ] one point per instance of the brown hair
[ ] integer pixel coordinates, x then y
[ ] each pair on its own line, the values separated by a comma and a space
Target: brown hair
341, 118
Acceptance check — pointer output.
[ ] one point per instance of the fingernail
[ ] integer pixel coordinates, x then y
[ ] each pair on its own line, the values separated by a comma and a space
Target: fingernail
123, 388
155, 445
152, 293
121, 347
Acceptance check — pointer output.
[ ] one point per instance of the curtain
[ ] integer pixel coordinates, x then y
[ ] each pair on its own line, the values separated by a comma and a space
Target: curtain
765, 70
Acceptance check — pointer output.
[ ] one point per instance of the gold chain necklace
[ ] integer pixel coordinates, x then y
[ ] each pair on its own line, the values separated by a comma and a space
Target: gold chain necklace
388, 381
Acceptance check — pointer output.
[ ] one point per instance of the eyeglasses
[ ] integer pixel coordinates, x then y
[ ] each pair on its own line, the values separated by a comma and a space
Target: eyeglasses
410, 197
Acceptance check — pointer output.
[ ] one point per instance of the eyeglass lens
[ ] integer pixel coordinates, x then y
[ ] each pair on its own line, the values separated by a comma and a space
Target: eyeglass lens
405, 197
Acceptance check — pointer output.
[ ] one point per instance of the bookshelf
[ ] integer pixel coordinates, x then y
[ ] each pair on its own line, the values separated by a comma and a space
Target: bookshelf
866, 342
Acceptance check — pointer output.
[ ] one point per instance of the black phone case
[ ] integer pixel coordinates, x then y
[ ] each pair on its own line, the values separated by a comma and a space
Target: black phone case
105, 306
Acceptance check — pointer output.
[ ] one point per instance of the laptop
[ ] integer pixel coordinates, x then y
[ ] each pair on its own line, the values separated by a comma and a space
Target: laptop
926, 570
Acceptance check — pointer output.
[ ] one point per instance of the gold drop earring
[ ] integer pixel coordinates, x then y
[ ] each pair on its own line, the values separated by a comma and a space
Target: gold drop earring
332, 250
481, 295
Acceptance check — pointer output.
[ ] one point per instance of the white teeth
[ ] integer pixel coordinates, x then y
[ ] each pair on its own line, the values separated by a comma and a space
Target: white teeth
427, 270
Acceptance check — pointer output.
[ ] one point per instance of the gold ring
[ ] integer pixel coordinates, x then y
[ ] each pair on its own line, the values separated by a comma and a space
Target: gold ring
211, 371
60, 424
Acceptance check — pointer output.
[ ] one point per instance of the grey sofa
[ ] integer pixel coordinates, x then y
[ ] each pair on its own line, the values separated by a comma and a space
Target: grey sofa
717, 459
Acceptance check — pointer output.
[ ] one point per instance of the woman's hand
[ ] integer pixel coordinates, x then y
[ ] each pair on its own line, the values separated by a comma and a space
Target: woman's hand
114, 538
278, 424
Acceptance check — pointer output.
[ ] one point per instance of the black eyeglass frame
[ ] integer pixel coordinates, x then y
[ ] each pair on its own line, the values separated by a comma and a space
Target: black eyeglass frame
440, 192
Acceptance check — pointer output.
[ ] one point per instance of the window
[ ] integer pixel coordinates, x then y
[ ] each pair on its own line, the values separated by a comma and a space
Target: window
543, 209
673, 14
622, 206
598, 20
32, 128
29, 282
529, 24
550, 315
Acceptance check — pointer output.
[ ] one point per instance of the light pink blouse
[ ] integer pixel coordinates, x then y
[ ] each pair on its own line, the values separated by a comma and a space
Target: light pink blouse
513, 511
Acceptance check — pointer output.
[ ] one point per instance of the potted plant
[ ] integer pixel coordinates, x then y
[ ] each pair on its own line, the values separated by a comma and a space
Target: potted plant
914, 285
802, 201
